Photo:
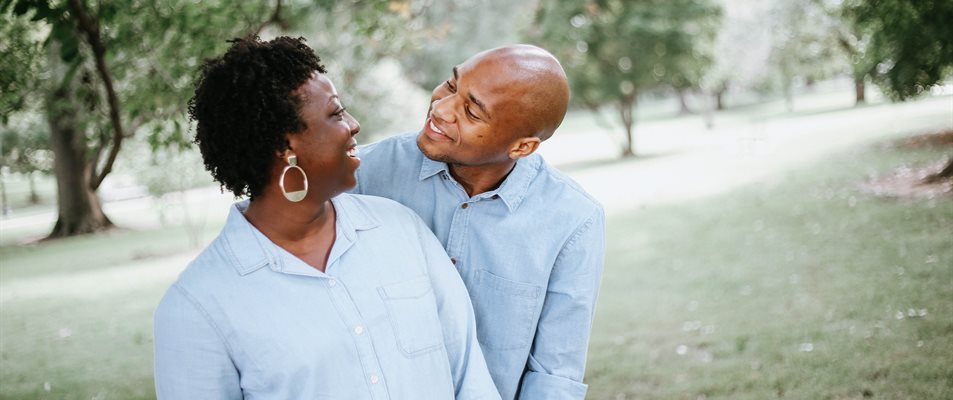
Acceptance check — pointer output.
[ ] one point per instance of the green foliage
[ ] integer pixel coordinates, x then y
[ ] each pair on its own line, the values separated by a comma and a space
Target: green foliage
20, 55
23, 145
910, 40
451, 31
615, 49
808, 51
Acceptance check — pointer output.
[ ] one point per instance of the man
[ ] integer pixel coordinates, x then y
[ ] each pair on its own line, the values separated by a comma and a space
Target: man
528, 241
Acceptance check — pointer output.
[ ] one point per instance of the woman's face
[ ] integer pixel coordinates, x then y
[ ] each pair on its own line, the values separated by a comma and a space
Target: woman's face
326, 148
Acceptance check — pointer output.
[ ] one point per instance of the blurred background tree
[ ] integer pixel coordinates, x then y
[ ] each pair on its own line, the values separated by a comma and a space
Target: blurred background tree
803, 52
910, 40
102, 72
107, 71
614, 51
740, 51
452, 31
910, 43
23, 150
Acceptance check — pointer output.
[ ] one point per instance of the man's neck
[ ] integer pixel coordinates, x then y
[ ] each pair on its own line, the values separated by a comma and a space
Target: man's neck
483, 178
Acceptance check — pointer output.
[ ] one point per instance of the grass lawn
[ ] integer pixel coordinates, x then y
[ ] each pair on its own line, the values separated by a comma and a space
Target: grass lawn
802, 288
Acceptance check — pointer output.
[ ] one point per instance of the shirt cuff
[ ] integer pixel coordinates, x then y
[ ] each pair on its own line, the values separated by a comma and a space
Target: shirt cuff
537, 385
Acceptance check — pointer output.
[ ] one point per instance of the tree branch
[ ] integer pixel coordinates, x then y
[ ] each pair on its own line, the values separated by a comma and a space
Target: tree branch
90, 28
275, 18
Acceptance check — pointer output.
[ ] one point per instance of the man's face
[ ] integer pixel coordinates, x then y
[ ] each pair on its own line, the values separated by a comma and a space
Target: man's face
476, 115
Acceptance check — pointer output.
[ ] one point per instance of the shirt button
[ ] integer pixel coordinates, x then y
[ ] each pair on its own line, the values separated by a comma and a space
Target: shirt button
465, 205
453, 260
332, 282
495, 196
375, 379
359, 330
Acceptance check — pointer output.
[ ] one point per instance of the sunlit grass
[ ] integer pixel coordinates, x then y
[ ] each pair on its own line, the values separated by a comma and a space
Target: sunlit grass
799, 288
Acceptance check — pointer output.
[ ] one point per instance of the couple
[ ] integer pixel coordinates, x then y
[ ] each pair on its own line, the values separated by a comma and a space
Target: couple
311, 292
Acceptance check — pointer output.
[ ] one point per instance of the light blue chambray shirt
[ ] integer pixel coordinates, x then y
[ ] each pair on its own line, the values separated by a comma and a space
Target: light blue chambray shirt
530, 253
389, 319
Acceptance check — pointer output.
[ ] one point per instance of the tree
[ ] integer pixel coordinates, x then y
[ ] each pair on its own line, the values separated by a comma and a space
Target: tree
108, 70
909, 39
23, 150
22, 141
616, 50
802, 51
451, 31
111, 69
740, 49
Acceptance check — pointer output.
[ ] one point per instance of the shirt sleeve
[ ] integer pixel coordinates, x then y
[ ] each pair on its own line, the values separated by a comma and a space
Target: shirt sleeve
557, 359
471, 378
191, 359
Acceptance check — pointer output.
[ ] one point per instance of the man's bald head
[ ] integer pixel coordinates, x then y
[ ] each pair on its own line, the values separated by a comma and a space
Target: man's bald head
542, 89
496, 107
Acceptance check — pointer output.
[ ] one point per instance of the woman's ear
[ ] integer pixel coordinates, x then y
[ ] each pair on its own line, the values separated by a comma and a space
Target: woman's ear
288, 150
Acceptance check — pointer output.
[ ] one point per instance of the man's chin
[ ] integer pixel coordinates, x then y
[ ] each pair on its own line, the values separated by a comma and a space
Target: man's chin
423, 143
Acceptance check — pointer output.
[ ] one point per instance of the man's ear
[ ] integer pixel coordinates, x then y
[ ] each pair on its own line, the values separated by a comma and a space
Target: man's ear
524, 147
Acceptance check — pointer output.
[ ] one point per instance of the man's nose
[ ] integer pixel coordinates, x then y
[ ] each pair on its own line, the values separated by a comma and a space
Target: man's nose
442, 109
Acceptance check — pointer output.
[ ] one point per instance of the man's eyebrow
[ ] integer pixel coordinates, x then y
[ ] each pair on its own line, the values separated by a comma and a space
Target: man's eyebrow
479, 104
456, 76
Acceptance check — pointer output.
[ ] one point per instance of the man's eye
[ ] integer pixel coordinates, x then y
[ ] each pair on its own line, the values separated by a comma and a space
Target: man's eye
453, 89
470, 113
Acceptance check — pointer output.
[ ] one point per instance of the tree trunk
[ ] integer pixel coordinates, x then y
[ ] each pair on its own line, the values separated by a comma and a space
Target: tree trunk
683, 108
5, 207
859, 89
77, 204
34, 196
789, 96
720, 99
625, 112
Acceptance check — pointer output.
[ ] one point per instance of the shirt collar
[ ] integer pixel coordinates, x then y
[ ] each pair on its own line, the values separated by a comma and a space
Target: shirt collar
513, 189
251, 250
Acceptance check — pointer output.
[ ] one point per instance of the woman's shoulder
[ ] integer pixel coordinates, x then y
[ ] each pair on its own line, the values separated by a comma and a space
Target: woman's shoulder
376, 208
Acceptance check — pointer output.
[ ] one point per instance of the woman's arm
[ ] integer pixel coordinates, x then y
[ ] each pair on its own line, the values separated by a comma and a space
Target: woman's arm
191, 359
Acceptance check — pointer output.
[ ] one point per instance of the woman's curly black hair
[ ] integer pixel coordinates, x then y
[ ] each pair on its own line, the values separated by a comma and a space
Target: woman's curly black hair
244, 105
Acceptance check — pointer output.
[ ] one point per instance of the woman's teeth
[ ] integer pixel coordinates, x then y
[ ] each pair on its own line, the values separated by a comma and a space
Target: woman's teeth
352, 152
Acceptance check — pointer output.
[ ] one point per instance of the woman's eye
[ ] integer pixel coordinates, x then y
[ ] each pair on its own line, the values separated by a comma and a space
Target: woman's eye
340, 112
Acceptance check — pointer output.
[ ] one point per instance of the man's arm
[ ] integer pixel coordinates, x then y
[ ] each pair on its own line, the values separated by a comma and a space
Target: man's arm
471, 378
557, 360
191, 360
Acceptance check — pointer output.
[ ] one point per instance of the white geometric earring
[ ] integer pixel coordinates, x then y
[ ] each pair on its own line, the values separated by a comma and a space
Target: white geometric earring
295, 196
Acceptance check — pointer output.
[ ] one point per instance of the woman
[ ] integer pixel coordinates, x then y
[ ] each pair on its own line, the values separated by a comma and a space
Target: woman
307, 292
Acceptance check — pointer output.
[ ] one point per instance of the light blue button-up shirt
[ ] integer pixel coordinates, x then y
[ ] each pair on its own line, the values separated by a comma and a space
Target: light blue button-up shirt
530, 253
389, 319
